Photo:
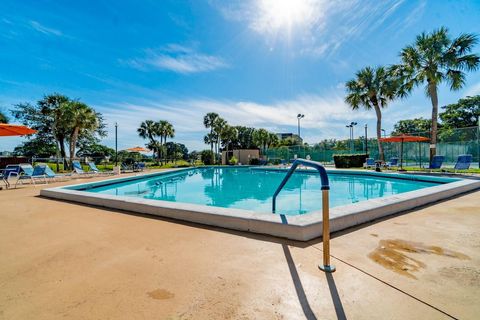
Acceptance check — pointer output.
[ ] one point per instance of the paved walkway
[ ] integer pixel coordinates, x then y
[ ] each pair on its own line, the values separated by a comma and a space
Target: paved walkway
70, 261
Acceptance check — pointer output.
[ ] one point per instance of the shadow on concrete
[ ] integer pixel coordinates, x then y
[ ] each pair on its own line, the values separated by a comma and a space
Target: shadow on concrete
337, 302
302, 297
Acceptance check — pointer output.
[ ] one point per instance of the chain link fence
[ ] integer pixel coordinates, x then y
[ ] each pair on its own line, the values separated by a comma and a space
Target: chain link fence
450, 143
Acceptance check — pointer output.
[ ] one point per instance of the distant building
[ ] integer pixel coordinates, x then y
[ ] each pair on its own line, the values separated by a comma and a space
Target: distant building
294, 136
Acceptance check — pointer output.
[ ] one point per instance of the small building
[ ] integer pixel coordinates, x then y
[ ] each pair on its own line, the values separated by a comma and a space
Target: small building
243, 155
294, 136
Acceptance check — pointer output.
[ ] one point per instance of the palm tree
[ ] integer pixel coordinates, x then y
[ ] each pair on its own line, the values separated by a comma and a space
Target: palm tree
209, 122
372, 88
219, 125
3, 118
81, 118
227, 136
149, 130
261, 138
165, 130
272, 140
435, 58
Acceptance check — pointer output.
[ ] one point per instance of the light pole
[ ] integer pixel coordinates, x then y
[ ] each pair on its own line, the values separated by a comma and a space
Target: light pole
366, 140
299, 116
116, 144
384, 134
351, 125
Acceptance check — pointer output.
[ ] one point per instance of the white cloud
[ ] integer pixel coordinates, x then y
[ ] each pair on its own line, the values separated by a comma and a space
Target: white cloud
45, 30
318, 27
473, 90
178, 59
324, 117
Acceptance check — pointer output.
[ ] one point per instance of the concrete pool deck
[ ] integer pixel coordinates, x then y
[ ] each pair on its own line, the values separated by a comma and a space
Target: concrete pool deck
66, 260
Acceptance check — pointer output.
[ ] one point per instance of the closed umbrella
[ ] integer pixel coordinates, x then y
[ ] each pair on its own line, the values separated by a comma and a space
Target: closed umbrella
403, 138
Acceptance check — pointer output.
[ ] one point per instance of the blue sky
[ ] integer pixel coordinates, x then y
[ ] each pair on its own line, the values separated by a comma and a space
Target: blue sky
255, 62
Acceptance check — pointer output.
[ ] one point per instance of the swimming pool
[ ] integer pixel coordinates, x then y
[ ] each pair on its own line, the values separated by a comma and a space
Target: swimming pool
252, 189
240, 198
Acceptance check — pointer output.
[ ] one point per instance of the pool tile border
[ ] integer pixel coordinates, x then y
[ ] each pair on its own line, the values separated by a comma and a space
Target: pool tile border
302, 227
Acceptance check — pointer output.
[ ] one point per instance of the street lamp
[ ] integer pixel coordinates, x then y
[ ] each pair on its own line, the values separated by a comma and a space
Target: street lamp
116, 144
384, 133
299, 116
351, 125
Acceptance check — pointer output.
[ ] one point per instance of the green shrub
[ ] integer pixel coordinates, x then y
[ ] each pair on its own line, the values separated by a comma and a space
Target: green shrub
233, 161
349, 160
206, 157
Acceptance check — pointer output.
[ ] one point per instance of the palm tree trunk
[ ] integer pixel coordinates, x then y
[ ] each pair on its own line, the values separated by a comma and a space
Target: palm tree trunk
73, 142
379, 131
432, 91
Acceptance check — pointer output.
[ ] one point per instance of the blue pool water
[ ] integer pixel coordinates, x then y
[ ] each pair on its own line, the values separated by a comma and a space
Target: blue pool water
252, 189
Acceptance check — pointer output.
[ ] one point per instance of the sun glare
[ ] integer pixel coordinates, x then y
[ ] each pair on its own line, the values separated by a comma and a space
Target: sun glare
284, 13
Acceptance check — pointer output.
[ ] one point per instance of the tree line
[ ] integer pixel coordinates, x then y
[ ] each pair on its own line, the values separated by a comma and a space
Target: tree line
62, 125
434, 58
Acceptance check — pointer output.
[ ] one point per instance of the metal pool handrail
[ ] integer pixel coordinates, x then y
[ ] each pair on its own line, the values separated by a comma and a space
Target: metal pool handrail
327, 267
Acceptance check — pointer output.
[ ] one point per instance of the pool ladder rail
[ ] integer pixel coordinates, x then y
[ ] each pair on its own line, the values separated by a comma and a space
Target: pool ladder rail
327, 267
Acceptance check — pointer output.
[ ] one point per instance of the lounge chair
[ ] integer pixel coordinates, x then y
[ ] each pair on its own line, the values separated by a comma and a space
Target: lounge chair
77, 169
94, 169
436, 163
369, 163
49, 174
138, 166
392, 163
463, 162
4, 179
125, 168
8, 172
37, 173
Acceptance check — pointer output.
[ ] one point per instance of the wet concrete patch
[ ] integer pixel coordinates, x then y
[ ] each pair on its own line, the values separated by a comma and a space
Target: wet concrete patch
391, 254
160, 294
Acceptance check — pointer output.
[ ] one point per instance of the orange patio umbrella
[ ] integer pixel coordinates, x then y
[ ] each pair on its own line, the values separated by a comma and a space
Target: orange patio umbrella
14, 130
404, 138
138, 149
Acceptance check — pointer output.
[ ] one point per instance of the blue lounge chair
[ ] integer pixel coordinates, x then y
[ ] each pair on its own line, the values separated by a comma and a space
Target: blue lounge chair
436, 163
26, 168
94, 169
37, 173
49, 174
463, 162
4, 179
77, 168
138, 166
8, 172
392, 163
369, 163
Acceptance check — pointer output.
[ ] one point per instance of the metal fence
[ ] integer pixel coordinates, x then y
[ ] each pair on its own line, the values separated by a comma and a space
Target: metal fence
450, 143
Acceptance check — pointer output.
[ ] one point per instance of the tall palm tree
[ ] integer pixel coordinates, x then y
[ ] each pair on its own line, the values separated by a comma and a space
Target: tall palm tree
372, 88
227, 136
149, 130
209, 122
219, 125
81, 118
435, 58
272, 139
3, 118
261, 138
165, 130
